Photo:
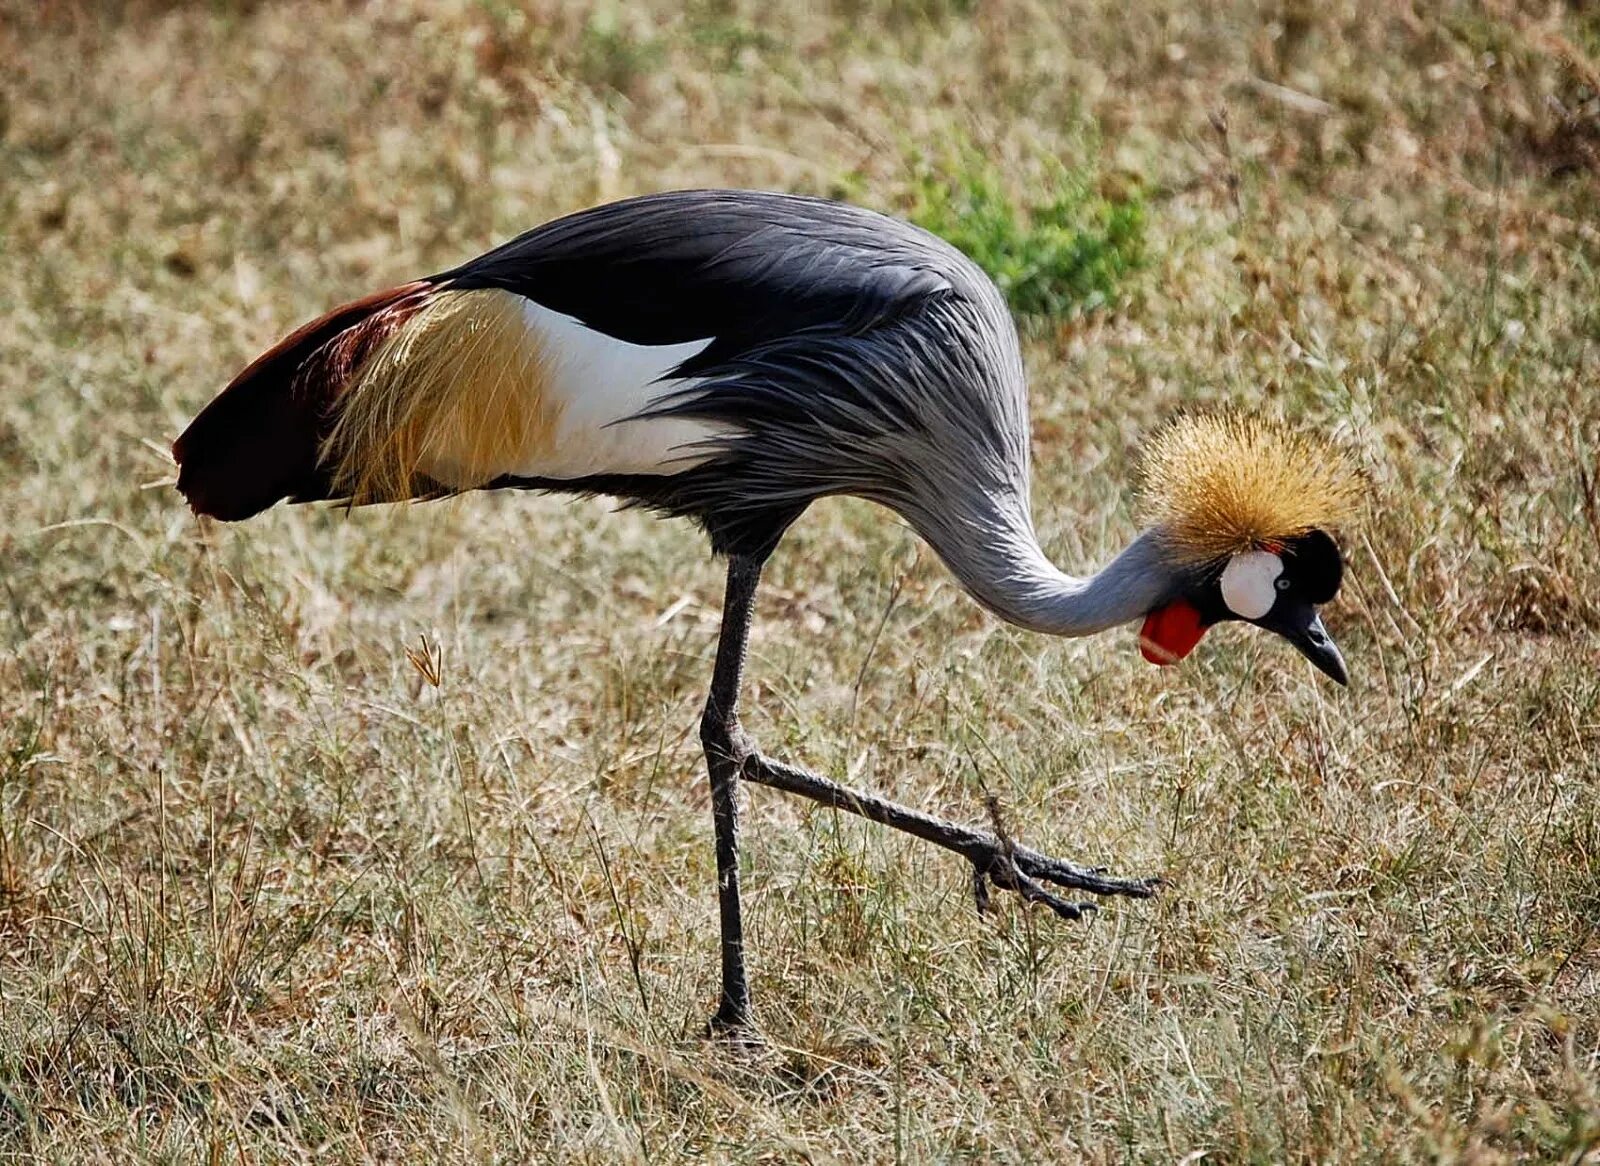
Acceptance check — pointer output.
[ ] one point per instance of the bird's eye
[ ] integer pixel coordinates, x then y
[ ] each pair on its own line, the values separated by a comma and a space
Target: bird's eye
1282, 584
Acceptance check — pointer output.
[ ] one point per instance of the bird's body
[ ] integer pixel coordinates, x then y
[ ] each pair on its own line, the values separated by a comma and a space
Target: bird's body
726, 355
732, 356
648, 333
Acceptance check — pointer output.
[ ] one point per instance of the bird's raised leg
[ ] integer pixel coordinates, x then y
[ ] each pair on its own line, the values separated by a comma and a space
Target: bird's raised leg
726, 747
995, 858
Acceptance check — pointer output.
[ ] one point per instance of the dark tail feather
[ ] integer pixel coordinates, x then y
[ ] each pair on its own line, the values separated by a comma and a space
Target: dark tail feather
258, 442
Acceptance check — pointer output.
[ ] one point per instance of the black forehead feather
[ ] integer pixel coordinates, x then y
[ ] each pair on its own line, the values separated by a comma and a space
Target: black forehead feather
1314, 563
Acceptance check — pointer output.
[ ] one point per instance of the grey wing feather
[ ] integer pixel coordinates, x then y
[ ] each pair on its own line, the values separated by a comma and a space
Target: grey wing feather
745, 267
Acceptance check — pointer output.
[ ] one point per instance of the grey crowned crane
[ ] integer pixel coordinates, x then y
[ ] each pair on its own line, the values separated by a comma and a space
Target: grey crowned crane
730, 356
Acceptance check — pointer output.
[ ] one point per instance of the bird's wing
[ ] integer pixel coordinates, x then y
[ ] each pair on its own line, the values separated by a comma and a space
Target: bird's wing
552, 356
740, 268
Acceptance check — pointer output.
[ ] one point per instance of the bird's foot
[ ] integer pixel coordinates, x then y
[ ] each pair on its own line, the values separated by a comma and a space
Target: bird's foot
1003, 873
999, 861
1032, 866
1003, 869
736, 1030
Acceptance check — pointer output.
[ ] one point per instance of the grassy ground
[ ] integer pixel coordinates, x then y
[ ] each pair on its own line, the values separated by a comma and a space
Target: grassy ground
269, 892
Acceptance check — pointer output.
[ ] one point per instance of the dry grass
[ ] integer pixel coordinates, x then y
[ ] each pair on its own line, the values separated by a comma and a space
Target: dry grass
269, 892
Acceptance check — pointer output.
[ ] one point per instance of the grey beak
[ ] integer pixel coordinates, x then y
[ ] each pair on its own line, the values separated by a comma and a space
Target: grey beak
1302, 626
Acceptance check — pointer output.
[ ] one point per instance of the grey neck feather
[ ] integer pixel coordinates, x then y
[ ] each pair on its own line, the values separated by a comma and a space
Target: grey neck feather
974, 509
992, 549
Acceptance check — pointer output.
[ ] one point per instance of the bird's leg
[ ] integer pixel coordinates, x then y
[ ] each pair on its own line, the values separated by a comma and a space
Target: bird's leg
731, 754
726, 747
995, 858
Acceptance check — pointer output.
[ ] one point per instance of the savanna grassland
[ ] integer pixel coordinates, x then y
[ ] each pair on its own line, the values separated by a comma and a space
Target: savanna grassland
386, 836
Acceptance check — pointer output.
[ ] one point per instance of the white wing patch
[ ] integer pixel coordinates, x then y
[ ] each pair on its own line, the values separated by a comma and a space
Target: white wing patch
1249, 583
597, 382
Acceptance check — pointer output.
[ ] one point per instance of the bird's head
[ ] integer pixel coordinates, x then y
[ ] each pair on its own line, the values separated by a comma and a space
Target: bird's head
1242, 509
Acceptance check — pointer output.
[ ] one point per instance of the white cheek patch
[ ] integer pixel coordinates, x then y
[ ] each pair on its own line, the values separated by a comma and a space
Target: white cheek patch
1249, 583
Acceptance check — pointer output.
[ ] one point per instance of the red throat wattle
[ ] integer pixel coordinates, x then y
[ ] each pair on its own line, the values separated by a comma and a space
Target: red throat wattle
1171, 632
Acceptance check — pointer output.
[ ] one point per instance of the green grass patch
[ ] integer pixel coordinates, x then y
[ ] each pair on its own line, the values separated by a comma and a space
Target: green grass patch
612, 56
1068, 252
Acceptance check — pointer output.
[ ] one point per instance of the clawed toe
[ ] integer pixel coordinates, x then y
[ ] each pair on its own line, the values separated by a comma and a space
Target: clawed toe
1002, 863
1003, 873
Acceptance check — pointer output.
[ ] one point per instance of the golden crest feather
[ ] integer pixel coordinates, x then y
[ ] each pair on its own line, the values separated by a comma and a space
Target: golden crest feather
1219, 484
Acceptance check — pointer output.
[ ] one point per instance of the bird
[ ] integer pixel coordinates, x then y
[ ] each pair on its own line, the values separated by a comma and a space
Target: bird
730, 357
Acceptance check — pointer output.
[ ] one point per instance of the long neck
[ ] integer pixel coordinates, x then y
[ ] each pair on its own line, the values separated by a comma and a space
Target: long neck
991, 548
